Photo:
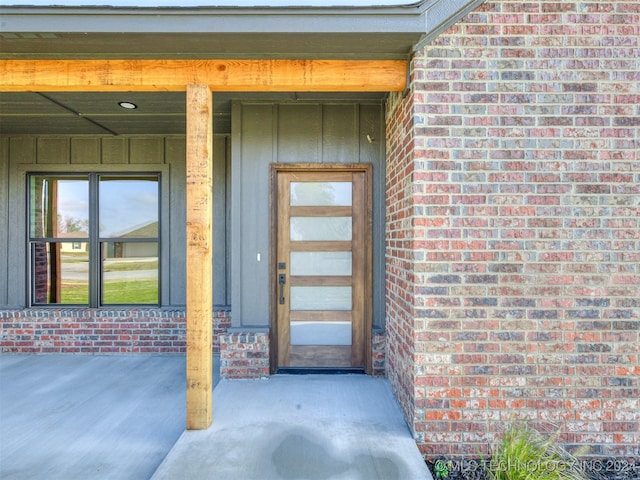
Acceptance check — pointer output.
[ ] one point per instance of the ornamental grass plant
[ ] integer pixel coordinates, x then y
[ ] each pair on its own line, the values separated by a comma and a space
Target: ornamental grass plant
523, 453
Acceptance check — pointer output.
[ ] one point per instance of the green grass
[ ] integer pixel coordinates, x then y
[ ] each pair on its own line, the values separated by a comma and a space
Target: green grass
139, 291
525, 454
130, 266
117, 292
74, 294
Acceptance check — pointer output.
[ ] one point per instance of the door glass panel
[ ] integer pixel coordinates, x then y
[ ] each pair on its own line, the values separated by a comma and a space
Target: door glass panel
321, 263
130, 273
320, 333
60, 273
59, 207
129, 207
321, 194
320, 298
320, 228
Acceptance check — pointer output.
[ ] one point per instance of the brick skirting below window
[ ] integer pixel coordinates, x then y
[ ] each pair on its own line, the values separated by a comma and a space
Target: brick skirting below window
142, 330
105, 331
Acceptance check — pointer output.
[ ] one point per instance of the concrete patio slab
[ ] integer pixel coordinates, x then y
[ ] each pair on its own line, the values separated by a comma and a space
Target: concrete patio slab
68, 417
312, 427
71, 417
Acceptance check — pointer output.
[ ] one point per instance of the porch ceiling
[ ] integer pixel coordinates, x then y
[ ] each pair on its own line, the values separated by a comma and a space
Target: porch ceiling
41, 32
98, 113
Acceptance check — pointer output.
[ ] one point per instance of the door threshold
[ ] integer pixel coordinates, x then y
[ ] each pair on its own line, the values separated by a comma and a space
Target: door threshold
319, 370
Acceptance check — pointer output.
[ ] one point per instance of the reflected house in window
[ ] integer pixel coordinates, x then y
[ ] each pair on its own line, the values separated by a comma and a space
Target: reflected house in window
117, 249
74, 246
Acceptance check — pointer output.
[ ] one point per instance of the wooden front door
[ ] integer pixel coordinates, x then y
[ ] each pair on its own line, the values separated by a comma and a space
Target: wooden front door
322, 267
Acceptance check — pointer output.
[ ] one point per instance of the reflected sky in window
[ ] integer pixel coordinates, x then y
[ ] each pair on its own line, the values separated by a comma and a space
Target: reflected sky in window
127, 207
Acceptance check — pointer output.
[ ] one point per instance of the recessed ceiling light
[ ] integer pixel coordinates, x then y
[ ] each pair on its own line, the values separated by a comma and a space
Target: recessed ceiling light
128, 105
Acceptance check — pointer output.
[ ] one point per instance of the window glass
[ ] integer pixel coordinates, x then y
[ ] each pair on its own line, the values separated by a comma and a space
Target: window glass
128, 207
320, 228
71, 264
60, 273
130, 273
321, 263
320, 333
330, 194
59, 207
320, 298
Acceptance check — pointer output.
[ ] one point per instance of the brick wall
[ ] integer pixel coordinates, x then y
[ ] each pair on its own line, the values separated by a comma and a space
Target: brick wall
100, 330
378, 353
244, 354
514, 173
399, 253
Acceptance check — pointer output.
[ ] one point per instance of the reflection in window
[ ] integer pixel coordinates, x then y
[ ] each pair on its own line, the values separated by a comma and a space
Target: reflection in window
130, 273
68, 240
128, 207
60, 274
59, 207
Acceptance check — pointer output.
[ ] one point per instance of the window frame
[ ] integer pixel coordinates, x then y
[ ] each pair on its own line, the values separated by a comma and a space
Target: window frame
95, 241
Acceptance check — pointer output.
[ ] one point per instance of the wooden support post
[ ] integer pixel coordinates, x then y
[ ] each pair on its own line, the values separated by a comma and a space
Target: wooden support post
199, 256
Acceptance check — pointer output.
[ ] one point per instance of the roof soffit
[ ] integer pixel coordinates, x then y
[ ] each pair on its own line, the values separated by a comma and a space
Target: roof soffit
384, 32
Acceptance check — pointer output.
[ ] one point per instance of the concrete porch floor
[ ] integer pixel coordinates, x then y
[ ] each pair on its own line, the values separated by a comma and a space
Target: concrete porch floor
122, 417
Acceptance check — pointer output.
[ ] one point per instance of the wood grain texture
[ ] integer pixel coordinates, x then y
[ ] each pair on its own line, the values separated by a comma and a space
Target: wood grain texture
218, 75
320, 356
199, 256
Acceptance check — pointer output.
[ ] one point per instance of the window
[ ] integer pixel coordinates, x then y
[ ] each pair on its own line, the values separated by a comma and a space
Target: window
94, 239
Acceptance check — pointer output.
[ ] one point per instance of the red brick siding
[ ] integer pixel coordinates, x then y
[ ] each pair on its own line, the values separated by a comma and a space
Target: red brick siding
378, 354
399, 253
100, 330
244, 355
524, 282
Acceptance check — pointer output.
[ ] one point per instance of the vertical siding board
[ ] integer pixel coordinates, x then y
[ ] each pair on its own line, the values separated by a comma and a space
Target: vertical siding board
146, 150
22, 150
250, 216
219, 220
16, 228
370, 136
227, 200
339, 133
299, 133
4, 218
176, 280
85, 151
371, 122
52, 151
236, 212
115, 150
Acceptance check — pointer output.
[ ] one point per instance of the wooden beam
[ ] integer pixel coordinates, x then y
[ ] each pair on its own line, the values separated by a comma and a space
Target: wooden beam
199, 256
219, 75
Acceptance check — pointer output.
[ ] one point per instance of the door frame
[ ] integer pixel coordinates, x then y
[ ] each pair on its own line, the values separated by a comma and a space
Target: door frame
274, 170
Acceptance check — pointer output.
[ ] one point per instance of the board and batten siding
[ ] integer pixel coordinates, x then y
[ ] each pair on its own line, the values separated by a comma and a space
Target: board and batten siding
20, 155
300, 132
4, 221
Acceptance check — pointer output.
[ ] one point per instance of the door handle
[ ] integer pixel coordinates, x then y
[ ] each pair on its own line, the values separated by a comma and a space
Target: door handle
282, 279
